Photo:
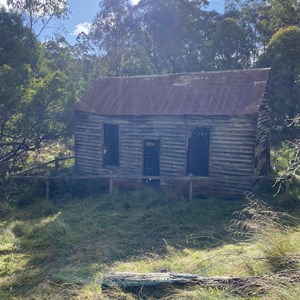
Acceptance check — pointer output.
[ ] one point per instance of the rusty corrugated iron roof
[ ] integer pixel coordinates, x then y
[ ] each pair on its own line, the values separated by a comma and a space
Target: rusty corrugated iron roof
207, 93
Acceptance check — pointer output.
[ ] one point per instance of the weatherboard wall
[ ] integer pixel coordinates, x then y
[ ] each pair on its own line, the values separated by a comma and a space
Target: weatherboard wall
262, 149
232, 147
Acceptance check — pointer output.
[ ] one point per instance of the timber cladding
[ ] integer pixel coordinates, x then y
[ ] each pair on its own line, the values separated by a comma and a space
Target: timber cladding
213, 126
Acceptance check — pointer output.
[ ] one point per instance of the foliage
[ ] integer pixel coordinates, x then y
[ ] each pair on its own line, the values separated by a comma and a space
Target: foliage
170, 32
264, 18
285, 156
111, 33
75, 62
283, 55
39, 83
18, 57
285, 162
276, 14
38, 13
17, 45
230, 45
154, 36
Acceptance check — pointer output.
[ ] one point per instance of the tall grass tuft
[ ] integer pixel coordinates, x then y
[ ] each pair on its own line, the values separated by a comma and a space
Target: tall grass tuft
269, 229
283, 292
200, 293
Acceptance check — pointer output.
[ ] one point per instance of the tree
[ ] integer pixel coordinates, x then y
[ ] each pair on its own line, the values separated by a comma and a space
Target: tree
33, 98
17, 44
283, 55
39, 12
111, 33
169, 32
230, 45
18, 52
265, 17
276, 14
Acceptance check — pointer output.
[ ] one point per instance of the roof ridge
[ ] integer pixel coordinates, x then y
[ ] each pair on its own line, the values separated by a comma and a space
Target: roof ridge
183, 73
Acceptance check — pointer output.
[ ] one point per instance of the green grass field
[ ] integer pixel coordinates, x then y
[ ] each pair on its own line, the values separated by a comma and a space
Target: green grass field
61, 250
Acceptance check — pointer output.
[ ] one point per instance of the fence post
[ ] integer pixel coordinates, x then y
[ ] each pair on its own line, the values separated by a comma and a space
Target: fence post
111, 185
47, 181
56, 162
11, 185
287, 190
191, 188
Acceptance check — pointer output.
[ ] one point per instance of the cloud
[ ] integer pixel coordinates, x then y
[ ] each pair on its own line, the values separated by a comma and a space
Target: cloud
3, 3
82, 27
134, 2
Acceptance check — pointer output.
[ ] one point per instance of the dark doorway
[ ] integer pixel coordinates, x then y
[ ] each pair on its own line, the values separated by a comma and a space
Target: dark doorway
111, 145
151, 161
198, 152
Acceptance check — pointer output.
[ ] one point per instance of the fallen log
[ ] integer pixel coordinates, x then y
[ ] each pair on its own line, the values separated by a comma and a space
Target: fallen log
161, 281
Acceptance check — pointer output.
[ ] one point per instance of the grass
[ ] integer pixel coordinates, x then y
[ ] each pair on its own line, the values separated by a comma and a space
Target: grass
64, 248
61, 250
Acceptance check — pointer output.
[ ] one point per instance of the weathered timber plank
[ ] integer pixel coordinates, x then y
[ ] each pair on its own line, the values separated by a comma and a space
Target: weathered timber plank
177, 280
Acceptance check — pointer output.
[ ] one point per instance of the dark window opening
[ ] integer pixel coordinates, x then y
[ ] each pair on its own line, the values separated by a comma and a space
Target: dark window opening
151, 161
111, 145
198, 152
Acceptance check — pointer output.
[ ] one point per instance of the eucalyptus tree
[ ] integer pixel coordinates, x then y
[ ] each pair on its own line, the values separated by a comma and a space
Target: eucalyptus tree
111, 33
230, 46
38, 13
170, 32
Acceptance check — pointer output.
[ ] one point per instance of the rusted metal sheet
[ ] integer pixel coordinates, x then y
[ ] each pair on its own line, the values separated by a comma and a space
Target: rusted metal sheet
237, 92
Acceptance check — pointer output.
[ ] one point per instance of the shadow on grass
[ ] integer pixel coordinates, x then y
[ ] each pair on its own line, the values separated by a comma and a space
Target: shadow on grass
75, 241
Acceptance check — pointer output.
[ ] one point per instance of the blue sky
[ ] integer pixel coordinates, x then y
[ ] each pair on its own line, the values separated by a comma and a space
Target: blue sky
83, 12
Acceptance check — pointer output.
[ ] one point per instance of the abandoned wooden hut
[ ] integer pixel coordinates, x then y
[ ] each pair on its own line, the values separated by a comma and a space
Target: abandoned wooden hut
212, 127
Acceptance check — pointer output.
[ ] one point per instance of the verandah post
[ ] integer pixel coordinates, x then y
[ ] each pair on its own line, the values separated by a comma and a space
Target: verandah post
191, 188
111, 185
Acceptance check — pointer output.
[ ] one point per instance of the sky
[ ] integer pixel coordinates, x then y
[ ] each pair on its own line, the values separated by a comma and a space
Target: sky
83, 12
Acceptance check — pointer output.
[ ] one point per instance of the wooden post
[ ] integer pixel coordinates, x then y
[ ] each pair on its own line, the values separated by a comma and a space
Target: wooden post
56, 162
11, 185
191, 189
111, 185
47, 181
287, 190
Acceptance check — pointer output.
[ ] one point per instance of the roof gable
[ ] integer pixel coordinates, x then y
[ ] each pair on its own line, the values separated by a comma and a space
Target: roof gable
207, 93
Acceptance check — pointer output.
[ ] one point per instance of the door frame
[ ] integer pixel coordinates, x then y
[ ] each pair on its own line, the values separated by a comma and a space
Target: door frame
149, 181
